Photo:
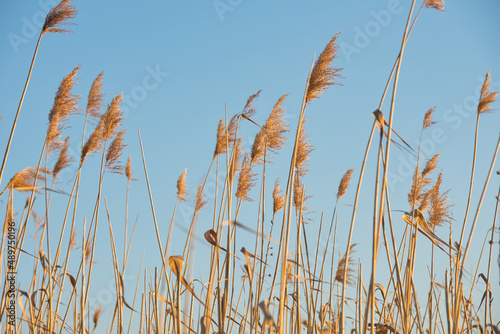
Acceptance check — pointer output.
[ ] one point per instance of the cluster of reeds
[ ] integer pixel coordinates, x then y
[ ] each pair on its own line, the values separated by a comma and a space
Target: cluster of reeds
303, 290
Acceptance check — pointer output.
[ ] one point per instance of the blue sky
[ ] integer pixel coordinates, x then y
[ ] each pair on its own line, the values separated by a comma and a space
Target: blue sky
178, 63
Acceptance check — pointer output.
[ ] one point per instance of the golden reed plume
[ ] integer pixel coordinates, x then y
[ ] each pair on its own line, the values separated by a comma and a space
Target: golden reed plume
57, 16
323, 75
182, 187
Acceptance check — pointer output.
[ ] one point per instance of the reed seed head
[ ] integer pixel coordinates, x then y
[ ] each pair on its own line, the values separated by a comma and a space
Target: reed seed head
95, 98
344, 183
64, 159
58, 16
428, 118
487, 97
93, 143
128, 169
440, 208
246, 179
199, 202
182, 187
112, 118
249, 109
278, 200
304, 148
97, 314
348, 265
114, 153
24, 180
220, 145
323, 74
436, 4
65, 104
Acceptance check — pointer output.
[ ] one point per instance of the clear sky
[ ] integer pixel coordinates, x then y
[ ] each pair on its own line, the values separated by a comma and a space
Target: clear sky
178, 63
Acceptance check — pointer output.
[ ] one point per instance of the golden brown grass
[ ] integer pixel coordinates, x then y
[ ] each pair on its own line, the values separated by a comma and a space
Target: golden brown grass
58, 16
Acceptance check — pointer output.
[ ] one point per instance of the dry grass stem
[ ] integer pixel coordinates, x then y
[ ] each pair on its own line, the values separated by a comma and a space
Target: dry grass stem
182, 187
246, 179
323, 75
65, 104
59, 15
344, 183
64, 160
487, 96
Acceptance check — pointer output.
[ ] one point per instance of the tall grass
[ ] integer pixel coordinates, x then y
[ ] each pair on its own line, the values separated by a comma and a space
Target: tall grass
307, 288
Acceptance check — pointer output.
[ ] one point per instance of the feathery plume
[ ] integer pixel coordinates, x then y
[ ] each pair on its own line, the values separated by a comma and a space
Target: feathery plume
303, 150
129, 170
59, 15
93, 143
245, 180
95, 98
115, 152
436, 4
278, 200
299, 194
416, 196
344, 183
97, 314
182, 187
23, 180
323, 75
440, 209
112, 118
220, 145
487, 96
249, 109
235, 161
258, 147
64, 159
271, 137
199, 202
65, 104
344, 265
72, 240
428, 118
